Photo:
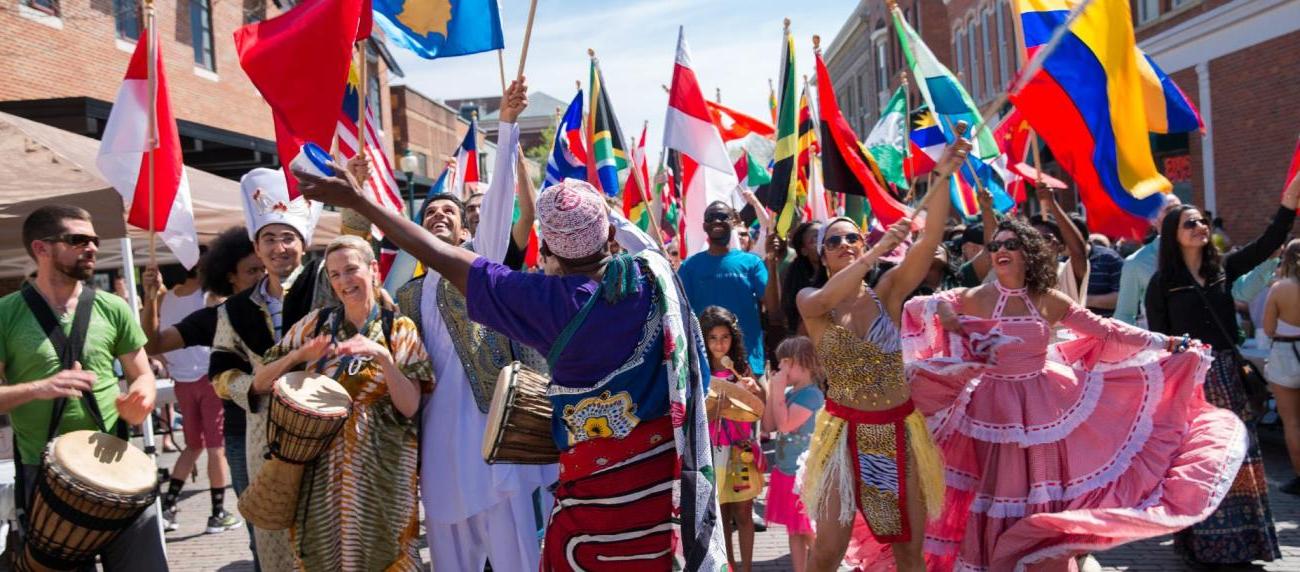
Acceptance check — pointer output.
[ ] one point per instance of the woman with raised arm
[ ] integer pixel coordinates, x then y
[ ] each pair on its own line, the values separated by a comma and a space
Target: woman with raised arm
871, 451
1056, 450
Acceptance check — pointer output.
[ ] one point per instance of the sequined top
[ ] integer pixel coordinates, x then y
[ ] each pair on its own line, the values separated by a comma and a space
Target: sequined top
866, 373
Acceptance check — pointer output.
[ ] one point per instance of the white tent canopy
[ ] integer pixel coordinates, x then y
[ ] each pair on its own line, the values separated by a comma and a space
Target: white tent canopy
42, 165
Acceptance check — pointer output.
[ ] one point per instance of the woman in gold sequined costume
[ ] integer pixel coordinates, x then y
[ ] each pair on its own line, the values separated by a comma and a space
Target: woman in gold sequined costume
871, 450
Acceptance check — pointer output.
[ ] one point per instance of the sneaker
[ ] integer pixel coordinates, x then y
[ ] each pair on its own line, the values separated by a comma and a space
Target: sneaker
222, 522
1292, 487
170, 522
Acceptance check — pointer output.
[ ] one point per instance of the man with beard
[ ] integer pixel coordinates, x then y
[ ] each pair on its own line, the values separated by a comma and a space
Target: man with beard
251, 322
41, 371
733, 279
475, 512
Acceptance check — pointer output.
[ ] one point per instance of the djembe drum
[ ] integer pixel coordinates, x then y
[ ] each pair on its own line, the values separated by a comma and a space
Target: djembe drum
519, 420
305, 414
90, 488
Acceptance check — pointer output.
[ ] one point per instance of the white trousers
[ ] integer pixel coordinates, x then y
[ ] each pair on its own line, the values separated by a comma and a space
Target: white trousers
506, 534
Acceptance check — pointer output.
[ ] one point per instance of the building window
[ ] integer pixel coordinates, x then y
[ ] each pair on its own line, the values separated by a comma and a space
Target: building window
1005, 49
126, 14
372, 99
882, 69
1148, 10
50, 7
960, 50
972, 40
990, 84
201, 34
1176, 4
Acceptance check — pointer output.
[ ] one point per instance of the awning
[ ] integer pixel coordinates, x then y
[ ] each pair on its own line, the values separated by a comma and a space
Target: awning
42, 165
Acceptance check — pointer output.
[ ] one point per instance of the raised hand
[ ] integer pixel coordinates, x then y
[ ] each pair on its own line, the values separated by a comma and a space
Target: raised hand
152, 284
895, 236
360, 168
66, 383
364, 347
954, 155
1291, 196
514, 100
340, 190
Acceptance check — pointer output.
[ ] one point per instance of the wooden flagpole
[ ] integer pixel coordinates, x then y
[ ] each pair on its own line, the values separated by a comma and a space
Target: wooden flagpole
152, 137
361, 102
501, 67
1038, 166
907, 135
528, 36
646, 193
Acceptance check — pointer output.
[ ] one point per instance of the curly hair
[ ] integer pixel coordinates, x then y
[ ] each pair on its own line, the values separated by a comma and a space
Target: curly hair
224, 253
1040, 258
715, 316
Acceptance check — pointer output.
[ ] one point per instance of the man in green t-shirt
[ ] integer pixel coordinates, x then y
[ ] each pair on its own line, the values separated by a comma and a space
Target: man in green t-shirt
62, 240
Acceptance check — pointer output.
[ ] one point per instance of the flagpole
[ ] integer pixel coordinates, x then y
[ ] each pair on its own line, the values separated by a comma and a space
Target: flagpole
641, 182
907, 135
152, 81
1038, 165
528, 36
501, 67
361, 103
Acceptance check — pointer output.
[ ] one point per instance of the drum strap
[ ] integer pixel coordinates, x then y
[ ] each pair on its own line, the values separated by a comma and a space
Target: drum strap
566, 334
69, 348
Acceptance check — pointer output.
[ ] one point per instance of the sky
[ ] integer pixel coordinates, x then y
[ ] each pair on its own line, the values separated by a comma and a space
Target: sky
735, 46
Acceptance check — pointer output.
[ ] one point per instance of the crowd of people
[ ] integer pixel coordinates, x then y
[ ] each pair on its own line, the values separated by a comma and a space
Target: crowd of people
934, 395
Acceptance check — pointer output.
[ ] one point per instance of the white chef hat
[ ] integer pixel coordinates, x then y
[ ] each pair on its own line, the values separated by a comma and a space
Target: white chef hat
266, 201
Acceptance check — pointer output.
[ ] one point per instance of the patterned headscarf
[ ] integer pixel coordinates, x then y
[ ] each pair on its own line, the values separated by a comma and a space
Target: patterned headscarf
574, 219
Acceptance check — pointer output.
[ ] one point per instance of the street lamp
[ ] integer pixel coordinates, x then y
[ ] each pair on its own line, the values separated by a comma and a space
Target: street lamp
409, 164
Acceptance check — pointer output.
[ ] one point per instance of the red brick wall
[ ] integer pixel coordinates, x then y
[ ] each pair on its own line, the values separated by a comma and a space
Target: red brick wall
1256, 121
425, 127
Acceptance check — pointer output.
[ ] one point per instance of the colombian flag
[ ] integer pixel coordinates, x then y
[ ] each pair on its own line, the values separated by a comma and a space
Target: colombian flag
1093, 106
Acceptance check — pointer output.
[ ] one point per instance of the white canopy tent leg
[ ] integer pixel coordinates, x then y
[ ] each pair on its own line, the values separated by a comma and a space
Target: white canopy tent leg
128, 278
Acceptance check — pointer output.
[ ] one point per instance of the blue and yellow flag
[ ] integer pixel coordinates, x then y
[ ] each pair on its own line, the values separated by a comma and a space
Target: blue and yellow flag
441, 28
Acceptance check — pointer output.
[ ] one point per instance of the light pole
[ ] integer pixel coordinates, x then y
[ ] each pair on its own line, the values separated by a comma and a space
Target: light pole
409, 164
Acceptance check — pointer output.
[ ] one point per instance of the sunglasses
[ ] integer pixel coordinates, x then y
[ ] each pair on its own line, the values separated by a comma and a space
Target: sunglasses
717, 216
74, 240
1192, 223
1011, 244
837, 240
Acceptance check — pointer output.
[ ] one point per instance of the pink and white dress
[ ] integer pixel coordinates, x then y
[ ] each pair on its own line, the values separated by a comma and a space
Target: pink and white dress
1052, 451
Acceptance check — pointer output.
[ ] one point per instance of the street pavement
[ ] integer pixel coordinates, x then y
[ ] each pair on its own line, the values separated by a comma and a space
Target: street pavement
189, 549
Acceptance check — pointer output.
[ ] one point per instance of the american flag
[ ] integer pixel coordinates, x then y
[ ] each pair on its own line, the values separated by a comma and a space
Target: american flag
381, 185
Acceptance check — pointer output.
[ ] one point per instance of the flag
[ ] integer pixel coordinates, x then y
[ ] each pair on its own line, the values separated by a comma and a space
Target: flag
568, 159
1294, 170
926, 143
608, 158
636, 201
1168, 109
439, 29
782, 193
888, 139
382, 185
848, 167
466, 162
299, 62
706, 174
734, 125
1089, 104
1012, 135
771, 101
749, 172
950, 103
670, 195
124, 156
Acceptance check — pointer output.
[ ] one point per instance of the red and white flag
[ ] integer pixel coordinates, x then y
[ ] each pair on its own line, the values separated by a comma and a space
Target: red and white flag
124, 158
689, 129
466, 173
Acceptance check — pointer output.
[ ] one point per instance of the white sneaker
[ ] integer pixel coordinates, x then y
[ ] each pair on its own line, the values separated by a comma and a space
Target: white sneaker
169, 520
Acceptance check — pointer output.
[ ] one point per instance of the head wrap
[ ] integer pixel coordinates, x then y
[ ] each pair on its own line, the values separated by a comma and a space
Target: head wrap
266, 201
574, 219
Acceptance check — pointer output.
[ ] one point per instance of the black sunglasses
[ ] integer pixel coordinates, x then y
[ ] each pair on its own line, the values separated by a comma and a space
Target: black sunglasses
849, 238
76, 240
717, 216
1011, 244
1192, 223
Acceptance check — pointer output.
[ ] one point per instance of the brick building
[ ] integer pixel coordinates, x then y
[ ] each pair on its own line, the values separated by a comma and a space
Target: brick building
1237, 60
64, 60
431, 131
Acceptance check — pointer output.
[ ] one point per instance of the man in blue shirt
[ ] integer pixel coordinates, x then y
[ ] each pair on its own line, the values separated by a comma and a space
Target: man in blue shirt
733, 279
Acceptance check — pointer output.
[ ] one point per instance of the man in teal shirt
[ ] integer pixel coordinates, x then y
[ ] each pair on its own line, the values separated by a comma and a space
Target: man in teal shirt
62, 241
1138, 269
723, 276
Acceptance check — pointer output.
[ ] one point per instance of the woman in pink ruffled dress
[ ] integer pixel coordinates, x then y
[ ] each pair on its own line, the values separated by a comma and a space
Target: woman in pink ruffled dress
1053, 451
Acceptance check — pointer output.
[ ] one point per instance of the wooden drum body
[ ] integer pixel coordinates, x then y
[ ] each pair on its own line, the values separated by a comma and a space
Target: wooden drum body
305, 414
91, 486
519, 420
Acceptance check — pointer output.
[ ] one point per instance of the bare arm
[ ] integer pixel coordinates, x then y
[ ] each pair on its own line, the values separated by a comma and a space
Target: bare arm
66, 383
814, 302
772, 294
527, 196
900, 281
1272, 306
402, 390
1074, 240
983, 263
264, 377
777, 416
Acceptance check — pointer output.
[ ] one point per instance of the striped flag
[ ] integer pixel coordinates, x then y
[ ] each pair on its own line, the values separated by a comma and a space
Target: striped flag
568, 158
636, 201
608, 157
782, 193
466, 161
381, 185
927, 143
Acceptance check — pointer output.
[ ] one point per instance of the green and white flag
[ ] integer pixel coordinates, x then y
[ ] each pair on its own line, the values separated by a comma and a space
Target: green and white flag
888, 139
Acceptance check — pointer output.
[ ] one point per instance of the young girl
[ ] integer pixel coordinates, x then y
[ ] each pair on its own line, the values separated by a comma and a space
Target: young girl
737, 457
792, 401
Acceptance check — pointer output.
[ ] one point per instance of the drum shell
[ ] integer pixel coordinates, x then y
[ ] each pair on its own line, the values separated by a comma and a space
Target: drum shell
521, 434
54, 533
298, 434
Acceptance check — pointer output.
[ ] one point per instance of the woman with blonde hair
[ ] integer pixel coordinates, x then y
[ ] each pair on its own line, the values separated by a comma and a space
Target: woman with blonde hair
360, 496
1282, 325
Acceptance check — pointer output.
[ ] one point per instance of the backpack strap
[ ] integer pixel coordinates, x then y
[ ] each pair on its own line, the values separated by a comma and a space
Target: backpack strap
69, 347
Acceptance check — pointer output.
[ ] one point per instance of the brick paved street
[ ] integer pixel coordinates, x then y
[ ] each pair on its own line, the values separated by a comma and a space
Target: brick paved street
191, 550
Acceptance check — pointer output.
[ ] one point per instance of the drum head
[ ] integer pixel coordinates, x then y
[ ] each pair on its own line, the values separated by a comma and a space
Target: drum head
314, 392
104, 462
497, 410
